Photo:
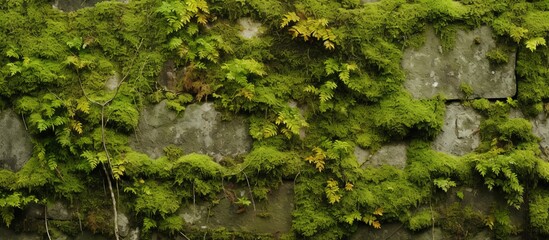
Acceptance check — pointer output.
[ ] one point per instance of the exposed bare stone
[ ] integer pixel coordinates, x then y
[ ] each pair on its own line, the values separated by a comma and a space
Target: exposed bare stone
58, 211
15, 142
272, 216
123, 225
250, 29
392, 154
170, 77
112, 82
459, 134
431, 72
540, 127
200, 130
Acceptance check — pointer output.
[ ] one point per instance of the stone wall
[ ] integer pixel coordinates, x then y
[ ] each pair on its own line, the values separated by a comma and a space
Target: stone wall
200, 128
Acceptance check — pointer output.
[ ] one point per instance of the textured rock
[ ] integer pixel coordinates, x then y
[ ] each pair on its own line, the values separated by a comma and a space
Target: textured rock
540, 127
123, 225
250, 29
459, 134
431, 72
170, 76
200, 130
15, 143
392, 154
58, 211
34, 210
112, 82
271, 216
133, 234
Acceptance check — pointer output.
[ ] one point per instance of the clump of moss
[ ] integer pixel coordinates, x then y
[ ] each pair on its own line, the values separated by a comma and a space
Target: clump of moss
461, 221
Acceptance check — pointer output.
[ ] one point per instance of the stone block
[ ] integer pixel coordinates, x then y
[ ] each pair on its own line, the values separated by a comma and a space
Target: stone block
540, 127
392, 154
199, 130
272, 216
430, 71
15, 142
58, 211
459, 134
249, 28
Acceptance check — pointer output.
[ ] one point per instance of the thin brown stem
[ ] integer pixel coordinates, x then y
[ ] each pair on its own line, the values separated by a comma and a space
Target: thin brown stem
46, 221
250, 189
113, 198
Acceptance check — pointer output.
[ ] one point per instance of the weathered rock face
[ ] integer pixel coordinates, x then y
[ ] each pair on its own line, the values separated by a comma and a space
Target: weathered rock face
200, 129
170, 77
392, 154
540, 127
431, 72
15, 142
459, 134
58, 211
123, 225
272, 216
112, 82
250, 28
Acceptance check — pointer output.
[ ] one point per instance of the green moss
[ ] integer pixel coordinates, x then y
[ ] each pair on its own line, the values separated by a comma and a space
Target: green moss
497, 56
539, 212
421, 220
461, 221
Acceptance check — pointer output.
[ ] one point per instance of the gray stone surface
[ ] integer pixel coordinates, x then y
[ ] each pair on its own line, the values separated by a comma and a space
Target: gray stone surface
15, 142
431, 72
133, 234
123, 225
249, 28
200, 130
34, 210
171, 76
540, 127
271, 216
112, 82
459, 134
392, 154
58, 211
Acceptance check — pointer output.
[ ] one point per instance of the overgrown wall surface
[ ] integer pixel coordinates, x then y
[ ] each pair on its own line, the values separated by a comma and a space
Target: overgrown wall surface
348, 119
